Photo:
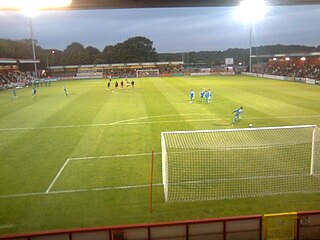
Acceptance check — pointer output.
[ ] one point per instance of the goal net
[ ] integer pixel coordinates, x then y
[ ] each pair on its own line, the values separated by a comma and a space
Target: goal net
239, 163
147, 73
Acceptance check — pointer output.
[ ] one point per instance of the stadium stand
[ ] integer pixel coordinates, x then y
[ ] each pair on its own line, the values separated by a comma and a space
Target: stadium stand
291, 67
16, 79
122, 70
292, 70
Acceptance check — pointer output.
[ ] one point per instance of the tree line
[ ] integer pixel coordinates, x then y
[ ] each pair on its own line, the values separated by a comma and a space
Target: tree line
133, 50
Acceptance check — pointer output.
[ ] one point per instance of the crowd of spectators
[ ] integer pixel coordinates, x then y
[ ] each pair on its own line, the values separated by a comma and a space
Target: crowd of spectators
120, 73
15, 79
290, 69
168, 69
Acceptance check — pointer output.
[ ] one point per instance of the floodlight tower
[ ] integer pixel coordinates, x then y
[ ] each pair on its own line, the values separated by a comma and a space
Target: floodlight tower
33, 49
250, 11
250, 47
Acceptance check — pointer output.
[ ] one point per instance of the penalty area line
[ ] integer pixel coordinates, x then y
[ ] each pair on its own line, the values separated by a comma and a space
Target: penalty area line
88, 158
7, 226
80, 190
57, 176
106, 188
112, 156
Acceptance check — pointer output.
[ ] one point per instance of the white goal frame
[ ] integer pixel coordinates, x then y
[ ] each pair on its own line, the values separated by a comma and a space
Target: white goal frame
314, 158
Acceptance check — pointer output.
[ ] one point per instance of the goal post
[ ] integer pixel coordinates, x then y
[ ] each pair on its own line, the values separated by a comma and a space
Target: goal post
315, 150
147, 73
238, 163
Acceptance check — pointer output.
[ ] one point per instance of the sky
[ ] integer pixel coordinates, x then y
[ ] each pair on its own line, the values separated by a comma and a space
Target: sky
172, 30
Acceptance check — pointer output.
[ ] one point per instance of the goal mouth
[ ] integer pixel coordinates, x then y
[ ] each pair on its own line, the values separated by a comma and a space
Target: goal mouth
238, 163
147, 73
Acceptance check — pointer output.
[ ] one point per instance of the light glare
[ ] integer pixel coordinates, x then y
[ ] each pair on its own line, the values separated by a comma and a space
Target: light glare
251, 11
30, 12
33, 4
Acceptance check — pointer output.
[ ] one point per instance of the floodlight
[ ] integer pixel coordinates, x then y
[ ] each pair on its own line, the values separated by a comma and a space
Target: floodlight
303, 58
251, 11
274, 59
287, 59
33, 4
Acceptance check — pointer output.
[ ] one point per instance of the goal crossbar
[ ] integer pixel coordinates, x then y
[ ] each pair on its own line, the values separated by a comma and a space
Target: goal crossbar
242, 129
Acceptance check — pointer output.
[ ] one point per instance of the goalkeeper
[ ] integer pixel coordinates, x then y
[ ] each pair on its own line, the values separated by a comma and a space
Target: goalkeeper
237, 116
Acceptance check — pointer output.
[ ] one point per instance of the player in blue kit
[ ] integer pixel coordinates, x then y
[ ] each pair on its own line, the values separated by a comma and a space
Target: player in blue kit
210, 96
14, 93
207, 96
201, 94
34, 93
192, 95
237, 116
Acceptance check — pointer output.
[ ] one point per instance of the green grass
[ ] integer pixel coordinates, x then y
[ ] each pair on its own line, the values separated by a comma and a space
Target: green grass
37, 137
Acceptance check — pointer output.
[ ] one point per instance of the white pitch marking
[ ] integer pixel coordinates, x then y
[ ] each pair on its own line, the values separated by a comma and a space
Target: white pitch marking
22, 195
131, 121
172, 121
207, 119
106, 188
168, 115
79, 190
111, 156
87, 158
101, 124
57, 176
6, 226
55, 127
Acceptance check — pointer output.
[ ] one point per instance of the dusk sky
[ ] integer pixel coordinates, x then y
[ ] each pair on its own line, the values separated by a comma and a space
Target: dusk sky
170, 29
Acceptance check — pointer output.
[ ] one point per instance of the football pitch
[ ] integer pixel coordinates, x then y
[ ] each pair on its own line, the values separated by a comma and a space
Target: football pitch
84, 160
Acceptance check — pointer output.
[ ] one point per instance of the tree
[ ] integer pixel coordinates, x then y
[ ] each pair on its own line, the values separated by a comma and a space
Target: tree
75, 54
109, 54
135, 49
138, 49
93, 53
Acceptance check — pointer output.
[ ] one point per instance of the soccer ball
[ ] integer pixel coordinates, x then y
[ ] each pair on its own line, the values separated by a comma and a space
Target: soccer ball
250, 125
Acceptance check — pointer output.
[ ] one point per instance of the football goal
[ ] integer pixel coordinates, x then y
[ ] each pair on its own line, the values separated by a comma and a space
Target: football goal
147, 73
239, 163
